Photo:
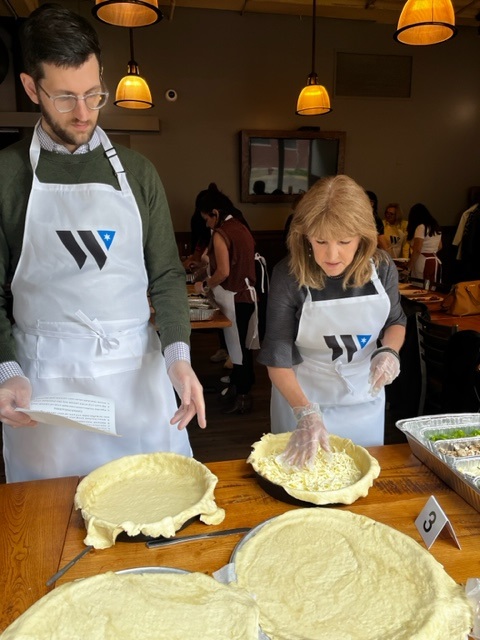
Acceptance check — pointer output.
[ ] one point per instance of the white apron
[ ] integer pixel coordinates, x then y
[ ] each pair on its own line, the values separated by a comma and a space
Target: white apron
336, 339
82, 325
226, 303
427, 267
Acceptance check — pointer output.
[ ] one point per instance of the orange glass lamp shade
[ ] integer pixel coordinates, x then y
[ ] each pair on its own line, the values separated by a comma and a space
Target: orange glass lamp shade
424, 22
313, 99
133, 91
127, 13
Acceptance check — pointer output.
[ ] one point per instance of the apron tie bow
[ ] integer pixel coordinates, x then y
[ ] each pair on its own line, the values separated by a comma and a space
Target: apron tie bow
346, 382
106, 342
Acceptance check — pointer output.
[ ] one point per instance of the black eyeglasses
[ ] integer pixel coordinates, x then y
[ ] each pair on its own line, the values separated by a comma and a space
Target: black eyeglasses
67, 103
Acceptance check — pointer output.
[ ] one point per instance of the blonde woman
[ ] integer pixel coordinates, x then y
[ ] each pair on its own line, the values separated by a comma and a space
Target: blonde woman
332, 302
395, 229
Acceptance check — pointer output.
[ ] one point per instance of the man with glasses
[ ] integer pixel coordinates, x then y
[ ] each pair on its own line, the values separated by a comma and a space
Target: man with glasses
85, 234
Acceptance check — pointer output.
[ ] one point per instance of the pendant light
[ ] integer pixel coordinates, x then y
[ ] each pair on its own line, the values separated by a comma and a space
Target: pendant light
127, 13
424, 22
133, 91
313, 99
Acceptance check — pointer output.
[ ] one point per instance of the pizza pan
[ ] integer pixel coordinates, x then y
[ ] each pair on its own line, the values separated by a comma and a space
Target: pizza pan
248, 536
279, 493
152, 570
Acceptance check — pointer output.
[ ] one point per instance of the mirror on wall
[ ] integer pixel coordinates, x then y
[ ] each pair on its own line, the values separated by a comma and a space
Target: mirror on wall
278, 165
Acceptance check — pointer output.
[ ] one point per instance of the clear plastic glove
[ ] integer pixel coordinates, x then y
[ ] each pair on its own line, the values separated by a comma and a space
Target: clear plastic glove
190, 392
198, 287
16, 392
310, 432
384, 368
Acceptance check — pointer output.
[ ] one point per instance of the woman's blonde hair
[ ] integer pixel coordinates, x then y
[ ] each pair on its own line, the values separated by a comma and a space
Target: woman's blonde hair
398, 211
332, 209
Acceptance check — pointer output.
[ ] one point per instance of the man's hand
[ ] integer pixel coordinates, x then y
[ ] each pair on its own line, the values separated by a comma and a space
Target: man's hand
16, 392
190, 392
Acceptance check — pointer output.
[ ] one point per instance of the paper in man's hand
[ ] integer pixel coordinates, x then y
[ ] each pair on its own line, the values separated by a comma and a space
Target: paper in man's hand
77, 410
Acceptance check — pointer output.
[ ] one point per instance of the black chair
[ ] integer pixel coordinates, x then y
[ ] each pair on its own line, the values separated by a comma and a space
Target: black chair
461, 389
403, 395
433, 339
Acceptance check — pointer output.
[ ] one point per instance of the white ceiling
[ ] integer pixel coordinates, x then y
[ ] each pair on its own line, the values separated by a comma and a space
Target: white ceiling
384, 11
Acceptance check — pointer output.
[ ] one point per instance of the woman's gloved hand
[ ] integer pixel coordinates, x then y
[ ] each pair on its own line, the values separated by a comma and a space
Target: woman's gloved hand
309, 433
384, 368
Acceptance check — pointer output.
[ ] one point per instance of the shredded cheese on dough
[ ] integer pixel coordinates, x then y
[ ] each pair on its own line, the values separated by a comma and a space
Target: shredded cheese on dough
324, 475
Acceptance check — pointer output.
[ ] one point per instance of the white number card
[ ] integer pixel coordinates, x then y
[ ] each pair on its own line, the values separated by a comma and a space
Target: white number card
431, 521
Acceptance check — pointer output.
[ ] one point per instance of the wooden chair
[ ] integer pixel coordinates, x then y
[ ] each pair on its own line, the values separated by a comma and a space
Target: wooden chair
433, 339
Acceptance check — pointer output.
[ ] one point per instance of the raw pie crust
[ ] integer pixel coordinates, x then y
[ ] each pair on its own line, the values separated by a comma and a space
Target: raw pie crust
330, 574
152, 493
275, 444
140, 607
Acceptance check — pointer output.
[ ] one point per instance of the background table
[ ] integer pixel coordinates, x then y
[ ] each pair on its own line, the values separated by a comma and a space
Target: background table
41, 532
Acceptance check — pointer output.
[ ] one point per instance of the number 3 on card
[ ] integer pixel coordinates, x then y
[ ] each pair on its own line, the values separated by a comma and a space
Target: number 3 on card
430, 522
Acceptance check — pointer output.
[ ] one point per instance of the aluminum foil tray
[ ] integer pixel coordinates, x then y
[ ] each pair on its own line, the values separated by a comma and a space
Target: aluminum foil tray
470, 470
417, 431
457, 449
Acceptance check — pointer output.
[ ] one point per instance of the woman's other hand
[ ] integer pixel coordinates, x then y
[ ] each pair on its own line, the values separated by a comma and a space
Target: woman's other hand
384, 368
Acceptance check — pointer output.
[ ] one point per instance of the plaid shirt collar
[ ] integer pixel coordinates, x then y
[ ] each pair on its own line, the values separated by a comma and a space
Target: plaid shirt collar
48, 144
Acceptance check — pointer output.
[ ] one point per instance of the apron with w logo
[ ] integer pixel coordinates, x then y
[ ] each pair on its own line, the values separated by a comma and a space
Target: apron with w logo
336, 339
82, 325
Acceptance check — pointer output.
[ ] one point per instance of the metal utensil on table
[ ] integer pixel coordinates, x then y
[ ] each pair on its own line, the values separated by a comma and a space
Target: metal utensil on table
153, 544
68, 566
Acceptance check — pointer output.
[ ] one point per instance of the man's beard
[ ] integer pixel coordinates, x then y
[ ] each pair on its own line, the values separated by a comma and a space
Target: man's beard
63, 135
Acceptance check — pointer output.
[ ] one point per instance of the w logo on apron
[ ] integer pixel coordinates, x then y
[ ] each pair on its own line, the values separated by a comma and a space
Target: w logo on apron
348, 346
91, 244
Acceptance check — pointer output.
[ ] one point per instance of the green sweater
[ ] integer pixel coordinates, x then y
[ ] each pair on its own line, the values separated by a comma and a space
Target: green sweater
166, 275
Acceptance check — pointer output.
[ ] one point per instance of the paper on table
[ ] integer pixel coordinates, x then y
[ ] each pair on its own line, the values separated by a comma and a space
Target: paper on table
77, 410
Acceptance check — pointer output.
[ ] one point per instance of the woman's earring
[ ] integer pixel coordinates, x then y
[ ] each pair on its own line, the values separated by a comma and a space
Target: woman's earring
309, 250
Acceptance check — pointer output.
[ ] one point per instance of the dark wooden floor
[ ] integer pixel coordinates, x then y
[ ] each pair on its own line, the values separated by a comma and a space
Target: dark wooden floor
229, 437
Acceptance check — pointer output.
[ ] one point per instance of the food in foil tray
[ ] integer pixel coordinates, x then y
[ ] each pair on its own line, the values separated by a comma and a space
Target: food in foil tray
460, 449
455, 434
470, 469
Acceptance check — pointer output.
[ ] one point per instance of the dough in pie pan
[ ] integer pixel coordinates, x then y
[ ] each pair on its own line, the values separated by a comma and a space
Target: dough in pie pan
140, 606
349, 460
153, 494
329, 574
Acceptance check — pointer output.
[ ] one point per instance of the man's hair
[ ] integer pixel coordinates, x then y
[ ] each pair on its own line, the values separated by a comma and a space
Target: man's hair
55, 35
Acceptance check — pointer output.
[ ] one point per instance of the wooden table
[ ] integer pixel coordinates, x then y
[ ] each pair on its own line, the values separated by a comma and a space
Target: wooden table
40, 532
219, 321
442, 317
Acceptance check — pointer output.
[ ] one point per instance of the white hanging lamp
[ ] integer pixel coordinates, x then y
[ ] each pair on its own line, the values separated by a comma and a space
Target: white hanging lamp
313, 99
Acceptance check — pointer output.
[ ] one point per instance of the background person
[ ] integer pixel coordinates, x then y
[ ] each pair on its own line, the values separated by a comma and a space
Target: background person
85, 233
395, 230
382, 241
425, 237
232, 279
330, 301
